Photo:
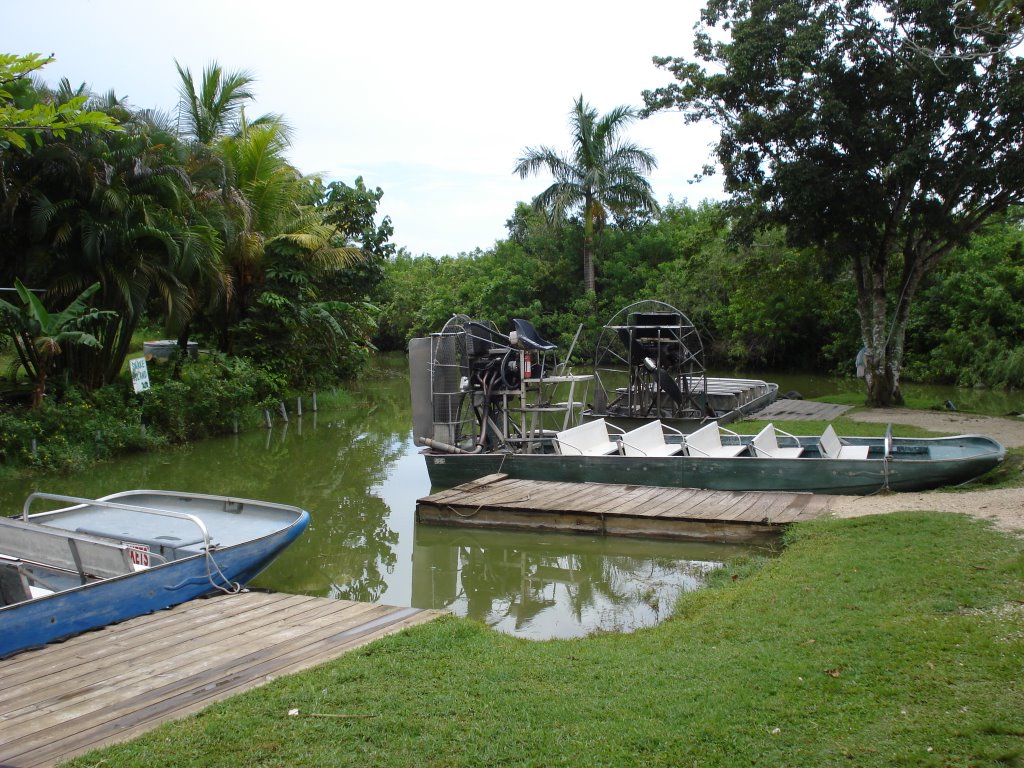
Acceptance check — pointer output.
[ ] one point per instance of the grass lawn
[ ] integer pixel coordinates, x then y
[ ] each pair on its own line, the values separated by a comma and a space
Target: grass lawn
878, 641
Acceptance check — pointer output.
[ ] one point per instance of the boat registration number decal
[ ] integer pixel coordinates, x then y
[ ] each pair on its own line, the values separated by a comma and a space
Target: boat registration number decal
139, 553
439, 461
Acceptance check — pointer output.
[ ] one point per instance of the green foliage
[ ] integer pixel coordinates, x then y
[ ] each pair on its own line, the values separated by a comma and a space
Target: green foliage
40, 336
757, 306
25, 122
209, 398
970, 309
71, 434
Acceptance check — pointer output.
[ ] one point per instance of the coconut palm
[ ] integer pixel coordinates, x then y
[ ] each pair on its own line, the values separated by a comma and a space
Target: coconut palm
602, 176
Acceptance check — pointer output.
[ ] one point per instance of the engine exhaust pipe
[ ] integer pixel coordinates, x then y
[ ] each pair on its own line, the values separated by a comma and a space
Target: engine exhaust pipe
437, 445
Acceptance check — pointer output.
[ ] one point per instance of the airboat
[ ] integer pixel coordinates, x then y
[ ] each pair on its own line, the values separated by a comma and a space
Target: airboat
487, 402
649, 364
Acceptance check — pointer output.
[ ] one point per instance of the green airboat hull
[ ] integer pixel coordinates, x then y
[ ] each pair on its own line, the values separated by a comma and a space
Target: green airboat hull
913, 464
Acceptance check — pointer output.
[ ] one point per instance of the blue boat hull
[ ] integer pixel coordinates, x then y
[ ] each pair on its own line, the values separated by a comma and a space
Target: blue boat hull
91, 606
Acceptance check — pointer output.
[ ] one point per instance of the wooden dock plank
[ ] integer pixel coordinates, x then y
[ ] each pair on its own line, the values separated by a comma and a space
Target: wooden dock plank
800, 410
630, 510
98, 702
112, 684
166, 656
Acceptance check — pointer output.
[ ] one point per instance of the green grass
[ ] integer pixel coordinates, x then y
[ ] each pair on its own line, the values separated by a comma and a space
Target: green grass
879, 641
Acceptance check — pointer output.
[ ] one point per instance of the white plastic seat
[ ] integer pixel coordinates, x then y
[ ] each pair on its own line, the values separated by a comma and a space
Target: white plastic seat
649, 440
588, 439
707, 441
833, 448
766, 444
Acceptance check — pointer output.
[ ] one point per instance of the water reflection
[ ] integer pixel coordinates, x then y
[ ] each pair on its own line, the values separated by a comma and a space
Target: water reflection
358, 473
556, 585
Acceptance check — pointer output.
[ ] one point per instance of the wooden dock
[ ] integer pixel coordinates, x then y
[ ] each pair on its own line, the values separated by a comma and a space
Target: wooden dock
497, 501
800, 410
115, 683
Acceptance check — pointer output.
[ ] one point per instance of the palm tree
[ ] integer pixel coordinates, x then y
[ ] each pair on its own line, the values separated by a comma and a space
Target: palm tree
602, 176
216, 108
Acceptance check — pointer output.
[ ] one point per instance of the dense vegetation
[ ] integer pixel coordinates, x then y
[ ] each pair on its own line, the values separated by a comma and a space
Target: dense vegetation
198, 226
760, 306
114, 220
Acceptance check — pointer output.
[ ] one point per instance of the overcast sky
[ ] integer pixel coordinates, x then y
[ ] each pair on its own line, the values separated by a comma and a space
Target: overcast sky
432, 102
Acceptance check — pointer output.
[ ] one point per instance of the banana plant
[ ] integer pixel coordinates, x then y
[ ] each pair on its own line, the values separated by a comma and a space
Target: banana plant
40, 336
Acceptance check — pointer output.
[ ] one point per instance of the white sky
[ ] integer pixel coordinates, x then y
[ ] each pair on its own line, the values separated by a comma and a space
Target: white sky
432, 102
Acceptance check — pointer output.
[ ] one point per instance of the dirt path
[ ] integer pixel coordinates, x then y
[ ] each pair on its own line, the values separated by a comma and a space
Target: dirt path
1004, 507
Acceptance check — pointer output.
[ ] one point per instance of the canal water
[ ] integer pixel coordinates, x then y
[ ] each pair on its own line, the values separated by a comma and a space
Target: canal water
358, 473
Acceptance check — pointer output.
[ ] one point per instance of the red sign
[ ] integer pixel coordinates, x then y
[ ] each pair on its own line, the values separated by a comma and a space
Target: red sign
139, 553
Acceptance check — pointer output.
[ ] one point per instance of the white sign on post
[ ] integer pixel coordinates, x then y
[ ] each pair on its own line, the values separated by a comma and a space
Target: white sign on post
140, 373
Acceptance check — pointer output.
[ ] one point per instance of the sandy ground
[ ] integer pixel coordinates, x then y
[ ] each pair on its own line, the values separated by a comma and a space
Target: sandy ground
1004, 507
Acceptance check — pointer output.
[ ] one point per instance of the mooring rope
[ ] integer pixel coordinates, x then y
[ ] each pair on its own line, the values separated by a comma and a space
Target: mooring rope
233, 587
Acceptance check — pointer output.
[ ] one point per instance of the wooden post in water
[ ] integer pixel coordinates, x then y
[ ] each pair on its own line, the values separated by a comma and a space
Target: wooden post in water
314, 401
284, 413
298, 405
266, 418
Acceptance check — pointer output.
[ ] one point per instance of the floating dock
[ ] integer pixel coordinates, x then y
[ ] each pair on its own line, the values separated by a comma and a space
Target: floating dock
497, 501
800, 410
113, 684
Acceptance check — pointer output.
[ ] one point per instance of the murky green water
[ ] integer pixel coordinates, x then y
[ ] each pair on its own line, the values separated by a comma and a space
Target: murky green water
357, 472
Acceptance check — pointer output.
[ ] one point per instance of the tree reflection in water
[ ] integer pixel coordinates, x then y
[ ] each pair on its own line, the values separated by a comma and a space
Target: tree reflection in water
556, 585
356, 469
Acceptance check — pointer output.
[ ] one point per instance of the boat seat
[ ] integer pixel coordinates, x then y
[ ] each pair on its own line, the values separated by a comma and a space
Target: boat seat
833, 448
766, 444
707, 441
649, 440
87, 556
588, 439
528, 338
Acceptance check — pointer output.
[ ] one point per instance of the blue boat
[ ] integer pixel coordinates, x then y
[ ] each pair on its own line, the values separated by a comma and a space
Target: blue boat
100, 561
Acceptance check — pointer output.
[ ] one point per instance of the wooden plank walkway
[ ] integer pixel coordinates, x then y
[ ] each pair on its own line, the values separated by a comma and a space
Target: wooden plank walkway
115, 683
497, 501
800, 410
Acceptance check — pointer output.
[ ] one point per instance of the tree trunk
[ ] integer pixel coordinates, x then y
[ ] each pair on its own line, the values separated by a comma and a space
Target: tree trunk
884, 322
179, 357
39, 388
883, 380
589, 283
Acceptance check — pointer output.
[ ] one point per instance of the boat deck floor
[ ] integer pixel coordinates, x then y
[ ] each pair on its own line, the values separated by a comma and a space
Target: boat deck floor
115, 683
497, 501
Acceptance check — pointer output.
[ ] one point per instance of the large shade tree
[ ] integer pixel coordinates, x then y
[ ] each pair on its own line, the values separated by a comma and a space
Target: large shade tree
602, 177
838, 123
